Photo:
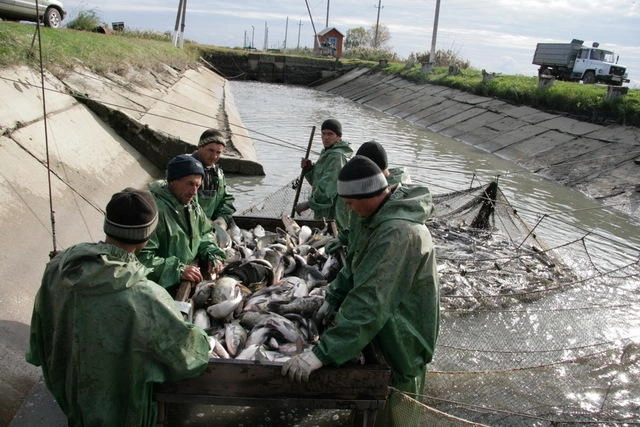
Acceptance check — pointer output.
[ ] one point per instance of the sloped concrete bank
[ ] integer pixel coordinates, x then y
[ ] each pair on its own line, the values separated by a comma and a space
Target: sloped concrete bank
122, 134
601, 161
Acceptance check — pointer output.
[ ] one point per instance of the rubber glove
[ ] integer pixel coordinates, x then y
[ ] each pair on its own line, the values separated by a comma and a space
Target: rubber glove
324, 314
301, 207
333, 246
220, 222
300, 367
306, 164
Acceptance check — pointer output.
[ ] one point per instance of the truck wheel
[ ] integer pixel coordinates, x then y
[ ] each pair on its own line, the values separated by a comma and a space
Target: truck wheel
589, 78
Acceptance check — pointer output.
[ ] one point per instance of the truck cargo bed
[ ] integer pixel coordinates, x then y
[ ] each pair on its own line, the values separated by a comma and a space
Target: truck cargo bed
557, 54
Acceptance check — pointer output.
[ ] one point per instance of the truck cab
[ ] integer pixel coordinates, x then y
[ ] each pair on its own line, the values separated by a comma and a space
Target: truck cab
598, 65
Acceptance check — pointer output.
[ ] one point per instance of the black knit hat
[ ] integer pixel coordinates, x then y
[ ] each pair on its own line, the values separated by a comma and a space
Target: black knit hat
132, 215
332, 125
210, 136
184, 165
361, 178
374, 151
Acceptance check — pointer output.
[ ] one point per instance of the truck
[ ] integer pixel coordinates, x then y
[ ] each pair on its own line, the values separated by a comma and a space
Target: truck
576, 62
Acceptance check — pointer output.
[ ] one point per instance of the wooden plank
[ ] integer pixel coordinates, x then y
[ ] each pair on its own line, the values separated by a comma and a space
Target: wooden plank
249, 379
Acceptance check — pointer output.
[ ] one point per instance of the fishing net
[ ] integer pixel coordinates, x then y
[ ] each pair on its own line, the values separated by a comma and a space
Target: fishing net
530, 334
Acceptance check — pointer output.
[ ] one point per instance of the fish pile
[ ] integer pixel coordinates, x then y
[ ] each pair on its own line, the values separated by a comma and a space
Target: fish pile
485, 270
261, 306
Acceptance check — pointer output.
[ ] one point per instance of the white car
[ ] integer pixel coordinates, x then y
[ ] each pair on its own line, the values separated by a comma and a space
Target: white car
51, 12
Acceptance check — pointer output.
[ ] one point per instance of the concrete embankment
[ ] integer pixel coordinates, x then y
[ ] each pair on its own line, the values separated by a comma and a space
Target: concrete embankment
121, 134
601, 161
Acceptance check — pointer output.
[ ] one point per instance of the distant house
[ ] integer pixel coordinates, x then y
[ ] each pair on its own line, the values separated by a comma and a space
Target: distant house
328, 43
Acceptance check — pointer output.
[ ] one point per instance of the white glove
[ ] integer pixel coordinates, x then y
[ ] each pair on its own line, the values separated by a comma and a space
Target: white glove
300, 367
220, 222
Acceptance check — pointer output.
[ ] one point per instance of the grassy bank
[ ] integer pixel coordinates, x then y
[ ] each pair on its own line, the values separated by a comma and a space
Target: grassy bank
63, 49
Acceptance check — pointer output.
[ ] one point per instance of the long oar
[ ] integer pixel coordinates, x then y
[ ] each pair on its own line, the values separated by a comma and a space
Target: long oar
301, 179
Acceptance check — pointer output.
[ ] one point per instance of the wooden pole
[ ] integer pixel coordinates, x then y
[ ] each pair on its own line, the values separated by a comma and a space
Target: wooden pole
301, 179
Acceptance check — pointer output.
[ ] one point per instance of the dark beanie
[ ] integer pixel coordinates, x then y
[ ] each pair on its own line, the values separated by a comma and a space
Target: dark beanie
210, 136
374, 151
132, 215
361, 178
183, 165
333, 125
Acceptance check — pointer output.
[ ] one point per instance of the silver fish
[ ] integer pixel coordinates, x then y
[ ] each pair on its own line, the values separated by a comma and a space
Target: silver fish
235, 337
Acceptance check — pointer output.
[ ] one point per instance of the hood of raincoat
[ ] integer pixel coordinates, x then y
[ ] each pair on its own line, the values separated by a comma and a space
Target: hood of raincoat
105, 261
408, 202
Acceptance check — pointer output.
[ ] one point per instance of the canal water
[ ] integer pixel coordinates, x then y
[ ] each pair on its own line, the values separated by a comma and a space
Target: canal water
594, 322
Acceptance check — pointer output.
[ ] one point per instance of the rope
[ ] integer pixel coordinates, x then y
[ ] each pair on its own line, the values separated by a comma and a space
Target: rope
52, 215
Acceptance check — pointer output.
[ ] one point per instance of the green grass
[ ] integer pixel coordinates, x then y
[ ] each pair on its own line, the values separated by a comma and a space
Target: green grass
64, 49
587, 102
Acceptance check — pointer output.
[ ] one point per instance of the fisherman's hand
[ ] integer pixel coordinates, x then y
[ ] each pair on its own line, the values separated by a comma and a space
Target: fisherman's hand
306, 164
219, 221
333, 246
300, 367
324, 314
215, 266
301, 207
191, 273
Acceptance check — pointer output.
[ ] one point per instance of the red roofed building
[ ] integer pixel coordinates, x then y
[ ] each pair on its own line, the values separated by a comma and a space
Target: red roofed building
330, 43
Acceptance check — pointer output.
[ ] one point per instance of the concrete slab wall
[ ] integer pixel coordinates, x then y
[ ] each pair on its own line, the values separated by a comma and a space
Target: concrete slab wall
601, 161
88, 161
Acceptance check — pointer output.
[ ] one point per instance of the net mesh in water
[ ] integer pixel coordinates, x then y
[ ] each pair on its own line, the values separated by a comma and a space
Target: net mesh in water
530, 335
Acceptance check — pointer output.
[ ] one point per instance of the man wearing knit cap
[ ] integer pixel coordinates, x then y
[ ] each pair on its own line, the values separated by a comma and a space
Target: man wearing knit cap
375, 152
183, 247
323, 176
216, 202
387, 291
103, 332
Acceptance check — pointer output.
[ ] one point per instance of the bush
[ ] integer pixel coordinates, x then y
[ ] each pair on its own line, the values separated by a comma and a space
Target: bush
87, 20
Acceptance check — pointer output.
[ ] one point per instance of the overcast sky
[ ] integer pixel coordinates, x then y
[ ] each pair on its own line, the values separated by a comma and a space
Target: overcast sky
496, 35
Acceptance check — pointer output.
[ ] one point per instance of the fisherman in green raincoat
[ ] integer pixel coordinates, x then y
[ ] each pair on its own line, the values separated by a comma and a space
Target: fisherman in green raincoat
103, 333
323, 176
183, 244
213, 196
387, 293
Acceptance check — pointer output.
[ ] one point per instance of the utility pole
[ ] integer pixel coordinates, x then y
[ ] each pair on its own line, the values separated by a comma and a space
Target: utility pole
253, 29
326, 25
244, 45
286, 30
177, 38
432, 53
375, 38
266, 36
315, 33
299, 27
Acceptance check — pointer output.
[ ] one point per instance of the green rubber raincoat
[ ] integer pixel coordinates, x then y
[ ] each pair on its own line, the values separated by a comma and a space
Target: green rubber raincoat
323, 177
388, 290
212, 194
103, 334
177, 241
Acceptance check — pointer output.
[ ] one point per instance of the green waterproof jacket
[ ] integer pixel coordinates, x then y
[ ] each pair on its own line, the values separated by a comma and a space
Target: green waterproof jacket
388, 290
323, 177
103, 334
213, 196
183, 236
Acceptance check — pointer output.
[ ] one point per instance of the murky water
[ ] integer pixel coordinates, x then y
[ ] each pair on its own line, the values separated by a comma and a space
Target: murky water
280, 119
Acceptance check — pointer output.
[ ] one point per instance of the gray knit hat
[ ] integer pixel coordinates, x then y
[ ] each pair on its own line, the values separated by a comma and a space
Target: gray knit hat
374, 151
184, 165
210, 136
332, 125
361, 178
131, 217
